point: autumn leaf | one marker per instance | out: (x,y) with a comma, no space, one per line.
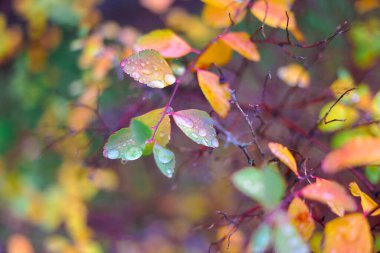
(367,203)
(274,13)
(18,243)
(294,75)
(283,153)
(301,218)
(156,6)
(356,152)
(234,242)
(350,233)
(241,43)
(165,41)
(198,126)
(217,94)
(219,17)
(331,194)
(150,68)
(218,53)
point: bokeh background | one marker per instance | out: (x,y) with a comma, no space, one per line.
(62,94)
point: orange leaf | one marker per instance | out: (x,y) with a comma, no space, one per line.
(356,152)
(216,94)
(294,75)
(165,41)
(367,203)
(241,43)
(19,243)
(275,13)
(283,153)
(218,53)
(301,218)
(331,194)
(350,233)
(219,17)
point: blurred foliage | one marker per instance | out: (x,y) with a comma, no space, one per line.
(63,94)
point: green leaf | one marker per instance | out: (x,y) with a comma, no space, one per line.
(164,159)
(198,126)
(140,131)
(265,186)
(261,238)
(286,237)
(121,145)
(373,173)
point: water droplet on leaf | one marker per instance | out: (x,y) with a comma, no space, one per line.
(112,154)
(169,78)
(133,153)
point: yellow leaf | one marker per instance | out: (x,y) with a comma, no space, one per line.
(165,41)
(363,6)
(341,85)
(356,152)
(219,17)
(150,68)
(216,94)
(340,116)
(150,119)
(275,12)
(301,218)
(218,53)
(294,75)
(348,234)
(19,243)
(241,43)
(234,240)
(331,194)
(283,153)
(367,203)
(219,3)
(316,241)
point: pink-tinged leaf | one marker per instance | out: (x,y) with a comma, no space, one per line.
(150,68)
(347,234)
(165,41)
(198,126)
(283,153)
(217,94)
(241,43)
(356,152)
(331,194)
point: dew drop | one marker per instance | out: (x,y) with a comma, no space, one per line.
(165,156)
(215,143)
(169,173)
(123,161)
(133,153)
(156,84)
(112,154)
(169,78)
(202,132)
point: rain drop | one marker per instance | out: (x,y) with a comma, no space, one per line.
(135,75)
(215,143)
(112,154)
(169,78)
(156,84)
